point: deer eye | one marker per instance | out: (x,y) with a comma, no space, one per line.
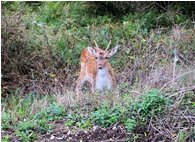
(106,57)
(96,57)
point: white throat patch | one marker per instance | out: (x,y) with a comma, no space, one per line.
(103,79)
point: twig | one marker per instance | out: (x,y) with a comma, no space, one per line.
(183,90)
(193,71)
(160,6)
(174,64)
(151,52)
(121,140)
(136,92)
(176,104)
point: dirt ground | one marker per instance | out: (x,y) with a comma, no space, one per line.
(61,133)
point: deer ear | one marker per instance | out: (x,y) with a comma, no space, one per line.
(91,50)
(113,51)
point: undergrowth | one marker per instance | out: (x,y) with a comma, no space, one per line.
(28,124)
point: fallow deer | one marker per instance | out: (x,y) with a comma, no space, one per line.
(96,69)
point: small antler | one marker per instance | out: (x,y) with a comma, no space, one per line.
(96,44)
(108,45)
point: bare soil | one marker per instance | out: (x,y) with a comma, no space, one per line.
(96,134)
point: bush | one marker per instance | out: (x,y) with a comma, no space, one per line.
(5,120)
(52,112)
(122,8)
(130,124)
(105,116)
(28,116)
(116,8)
(152,103)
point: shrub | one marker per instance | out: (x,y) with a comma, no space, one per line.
(52,112)
(152,103)
(26,136)
(77,118)
(5,120)
(105,116)
(130,124)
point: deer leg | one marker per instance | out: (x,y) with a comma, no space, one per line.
(92,81)
(78,86)
(80,81)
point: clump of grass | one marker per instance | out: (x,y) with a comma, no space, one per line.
(153,102)
(29,116)
(129,112)
(133,112)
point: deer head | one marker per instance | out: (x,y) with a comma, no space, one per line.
(102,56)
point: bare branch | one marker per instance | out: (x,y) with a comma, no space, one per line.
(193,71)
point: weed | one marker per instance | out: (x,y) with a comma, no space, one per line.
(28,121)
(28,129)
(152,103)
(5,120)
(130,124)
(6,138)
(131,114)
(78,119)
(104,116)
(26,135)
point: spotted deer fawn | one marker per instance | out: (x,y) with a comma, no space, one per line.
(95,68)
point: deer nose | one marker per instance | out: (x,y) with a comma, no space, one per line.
(100,67)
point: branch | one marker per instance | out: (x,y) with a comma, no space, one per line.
(193,71)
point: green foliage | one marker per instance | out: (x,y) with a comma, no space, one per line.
(52,112)
(56,32)
(105,116)
(5,138)
(52,11)
(152,103)
(11,5)
(78,119)
(137,113)
(131,114)
(5,120)
(26,123)
(27,130)
(27,135)
(22,108)
(130,124)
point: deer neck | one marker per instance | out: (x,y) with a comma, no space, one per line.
(102,72)
(103,79)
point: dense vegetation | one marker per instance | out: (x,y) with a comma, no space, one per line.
(155,96)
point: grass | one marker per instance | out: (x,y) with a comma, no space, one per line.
(32,115)
(69,33)
(29,116)
(28,120)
